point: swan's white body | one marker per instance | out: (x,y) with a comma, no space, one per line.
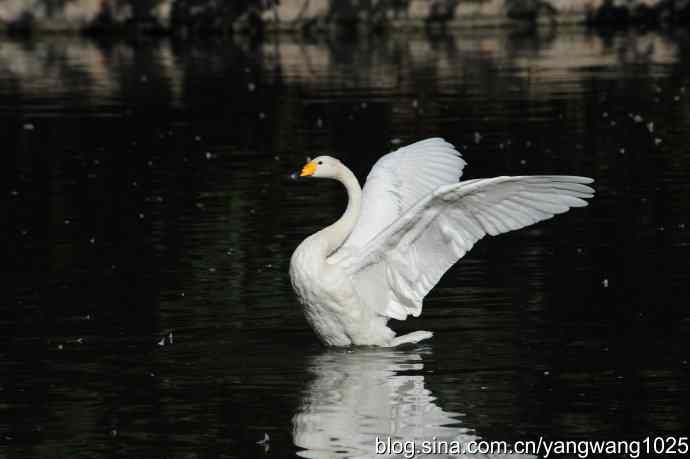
(412,221)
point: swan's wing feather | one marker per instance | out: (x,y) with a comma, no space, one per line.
(399,180)
(397,269)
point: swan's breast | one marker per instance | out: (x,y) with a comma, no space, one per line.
(327,294)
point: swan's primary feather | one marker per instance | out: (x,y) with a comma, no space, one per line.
(399,180)
(397,268)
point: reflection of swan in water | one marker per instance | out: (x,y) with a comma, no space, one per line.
(361,394)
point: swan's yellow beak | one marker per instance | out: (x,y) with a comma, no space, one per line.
(308,169)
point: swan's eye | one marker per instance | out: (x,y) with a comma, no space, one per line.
(320,163)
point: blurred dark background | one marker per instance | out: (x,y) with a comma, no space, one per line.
(148,226)
(184,17)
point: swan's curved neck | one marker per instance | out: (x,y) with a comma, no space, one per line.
(335,235)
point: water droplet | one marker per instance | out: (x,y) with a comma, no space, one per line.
(262,115)
(212,270)
(208,155)
(523,161)
(67,221)
(605,283)
(251,87)
(29,127)
(265,439)
(319,123)
(477,137)
(650,127)
(415,103)
(657,141)
(638,119)
(141,216)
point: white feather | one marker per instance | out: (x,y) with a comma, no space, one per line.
(410,256)
(398,180)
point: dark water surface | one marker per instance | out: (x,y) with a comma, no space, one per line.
(147,310)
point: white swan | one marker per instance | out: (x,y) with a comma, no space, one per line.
(412,221)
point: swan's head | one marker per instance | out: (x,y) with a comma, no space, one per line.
(322,167)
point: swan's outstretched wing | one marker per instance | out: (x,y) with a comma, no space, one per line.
(399,180)
(401,264)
